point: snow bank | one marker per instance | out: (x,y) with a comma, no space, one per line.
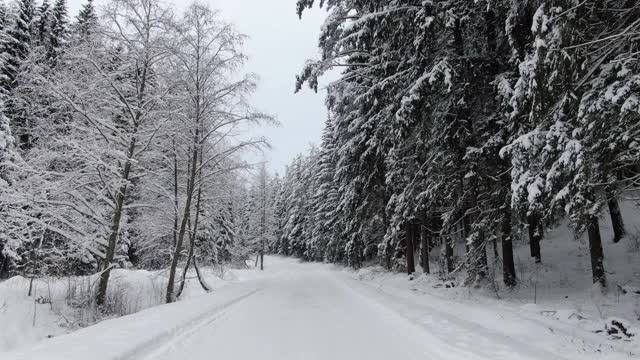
(61,305)
(137,335)
(23,319)
(554,304)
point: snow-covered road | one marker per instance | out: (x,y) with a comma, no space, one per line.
(304,314)
(291,311)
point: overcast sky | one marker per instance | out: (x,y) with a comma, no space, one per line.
(278,46)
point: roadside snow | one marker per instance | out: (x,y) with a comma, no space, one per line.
(22,319)
(554,305)
(308,311)
(129,337)
(58,305)
(472,320)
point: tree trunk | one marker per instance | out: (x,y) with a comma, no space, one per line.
(183,278)
(616,219)
(192,242)
(187,213)
(508,265)
(448,252)
(101,295)
(482,263)
(354,255)
(30,286)
(535,236)
(447,245)
(111,248)
(176,255)
(477,255)
(35,261)
(263,217)
(387,259)
(425,239)
(466,230)
(596,252)
(203,283)
(190,253)
(175,193)
(4,264)
(409,247)
(387,253)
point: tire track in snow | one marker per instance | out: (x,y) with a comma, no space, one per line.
(568,341)
(169,338)
(473,338)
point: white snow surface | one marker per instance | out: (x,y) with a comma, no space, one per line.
(309,311)
(59,305)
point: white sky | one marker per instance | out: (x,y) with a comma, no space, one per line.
(278,45)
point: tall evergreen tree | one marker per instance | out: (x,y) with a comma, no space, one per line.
(5,22)
(44,24)
(20,39)
(7,151)
(18,42)
(325,236)
(59,30)
(86,19)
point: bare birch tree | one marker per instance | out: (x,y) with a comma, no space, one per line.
(207,62)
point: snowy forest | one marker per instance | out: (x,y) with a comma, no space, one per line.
(122,134)
(481,122)
(482,154)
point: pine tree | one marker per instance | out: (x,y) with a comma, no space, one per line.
(326,233)
(44,24)
(4,18)
(9,243)
(361,115)
(6,146)
(5,22)
(86,19)
(58,35)
(20,39)
(607,107)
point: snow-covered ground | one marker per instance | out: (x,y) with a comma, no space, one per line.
(506,327)
(306,311)
(554,306)
(59,305)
